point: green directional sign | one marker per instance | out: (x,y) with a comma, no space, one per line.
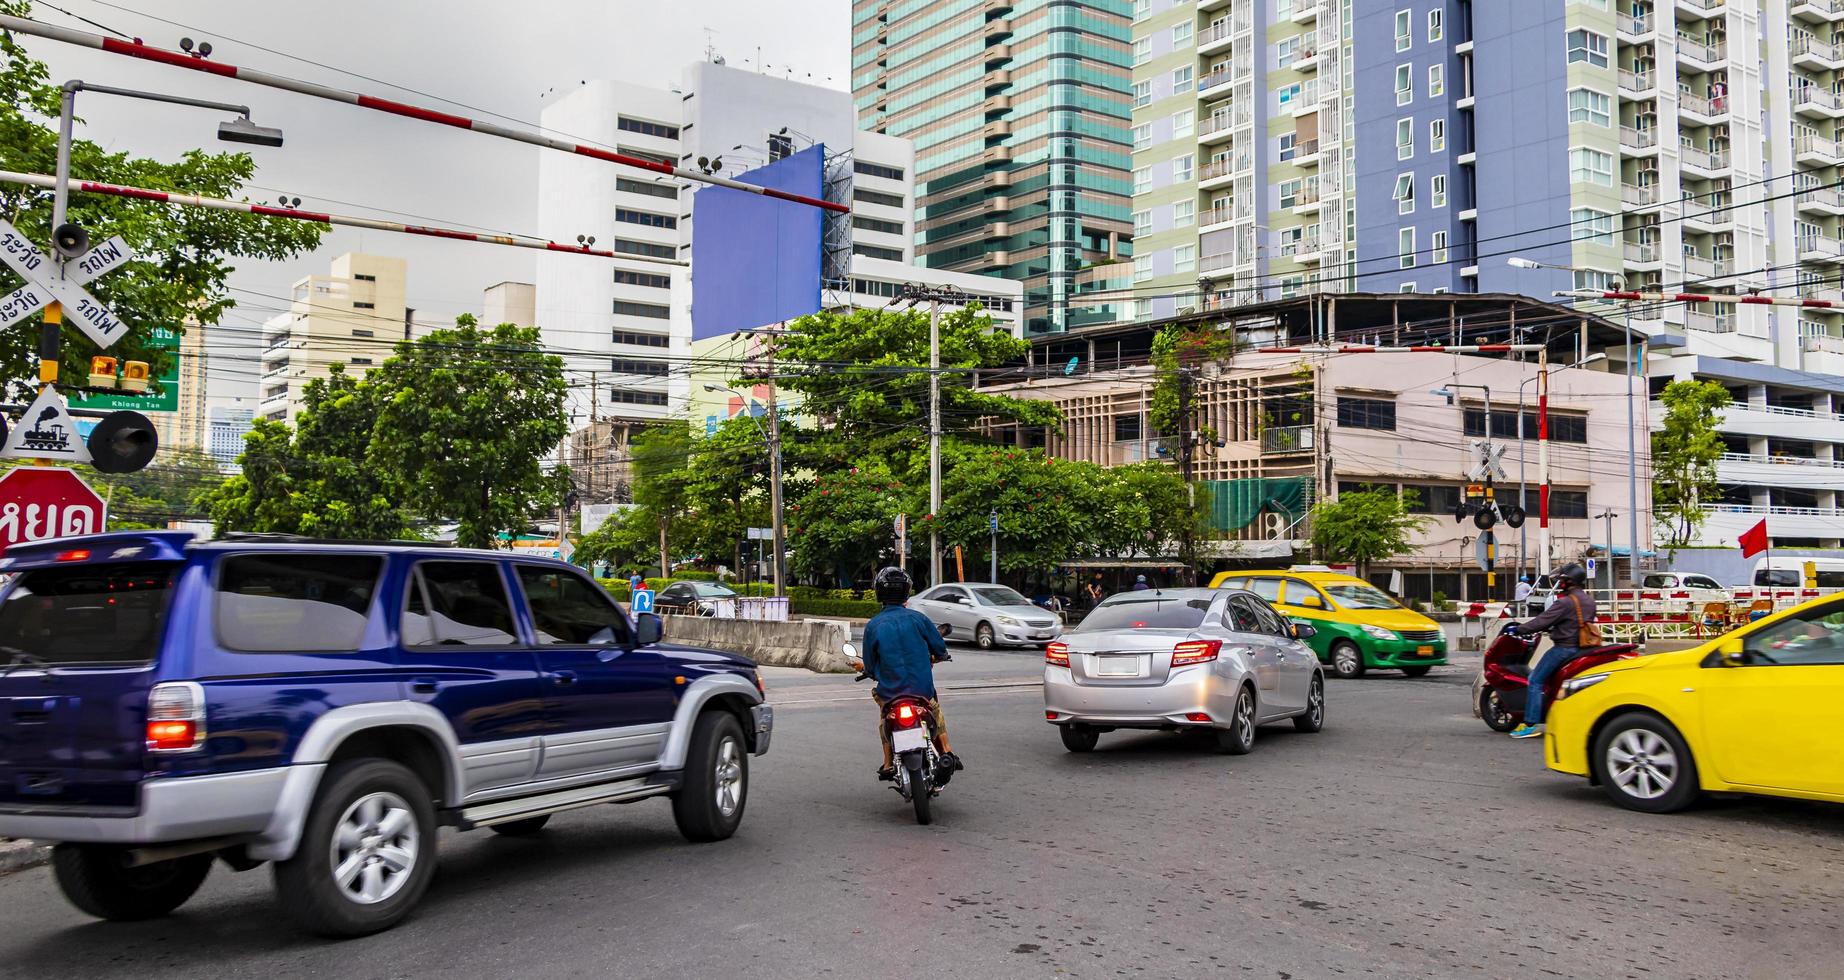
(167,400)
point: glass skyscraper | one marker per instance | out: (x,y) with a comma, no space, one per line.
(1021,113)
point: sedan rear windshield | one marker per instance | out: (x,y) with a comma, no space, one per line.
(1147,614)
(86,614)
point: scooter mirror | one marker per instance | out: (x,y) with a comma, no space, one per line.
(850,651)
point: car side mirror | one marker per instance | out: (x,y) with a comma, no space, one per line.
(1731,653)
(1310,602)
(647,629)
(1304,631)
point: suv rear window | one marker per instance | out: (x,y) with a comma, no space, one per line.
(1147,614)
(86,614)
(294,602)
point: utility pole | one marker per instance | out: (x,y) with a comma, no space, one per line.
(1187,542)
(1608,516)
(934,296)
(992,524)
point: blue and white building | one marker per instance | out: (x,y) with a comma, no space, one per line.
(1285,147)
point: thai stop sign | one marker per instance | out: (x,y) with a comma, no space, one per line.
(40,502)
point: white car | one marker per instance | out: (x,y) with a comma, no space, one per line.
(989,615)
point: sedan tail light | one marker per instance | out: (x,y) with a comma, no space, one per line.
(1195,652)
(175,717)
(1057,654)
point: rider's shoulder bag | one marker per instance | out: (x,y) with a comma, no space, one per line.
(1588,633)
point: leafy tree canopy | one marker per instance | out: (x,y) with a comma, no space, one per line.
(1365,526)
(1685,451)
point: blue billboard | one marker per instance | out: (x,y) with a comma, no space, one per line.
(755,259)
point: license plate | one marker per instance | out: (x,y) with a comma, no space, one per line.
(1424,651)
(907,740)
(1118,667)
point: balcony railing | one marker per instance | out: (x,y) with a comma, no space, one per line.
(1287,439)
(1220,75)
(1221,214)
(1700,51)
(1704,107)
(1819,246)
(1705,159)
(1822,344)
(1782,460)
(1820,6)
(1221,260)
(1638,24)
(1305,150)
(1633,81)
(1807,44)
(1822,98)
(1215,33)
(1772,509)
(1638,139)
(1709,322)
(1640,252)
(1636,195)
(1698,267)
(1720,213)
(1821,195)
(1819,146)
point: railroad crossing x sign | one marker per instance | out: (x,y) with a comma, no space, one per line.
(49,280)
(1488,461)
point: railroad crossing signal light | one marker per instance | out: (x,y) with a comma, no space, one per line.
(1484,518)
(102,372)
(135,376)
(123,442)
(1513,515)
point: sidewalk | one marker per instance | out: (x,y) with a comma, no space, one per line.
(17,855)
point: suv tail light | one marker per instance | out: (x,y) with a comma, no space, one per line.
(175,717)
(1195,652)
(1057,654)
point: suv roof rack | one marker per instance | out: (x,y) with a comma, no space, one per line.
(280,537)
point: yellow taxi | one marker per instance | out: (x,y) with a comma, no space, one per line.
(1358,626)
(1759,710)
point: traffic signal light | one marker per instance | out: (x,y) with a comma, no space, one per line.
(123,442)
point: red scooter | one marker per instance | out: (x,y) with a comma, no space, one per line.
(1506,676)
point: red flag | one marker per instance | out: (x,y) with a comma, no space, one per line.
(1754,540)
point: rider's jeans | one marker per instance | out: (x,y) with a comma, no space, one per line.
(1551,661)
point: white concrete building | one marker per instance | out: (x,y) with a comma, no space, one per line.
(352,316)
(225,428)
(629,324)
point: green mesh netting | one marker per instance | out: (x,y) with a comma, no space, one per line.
(1234,504)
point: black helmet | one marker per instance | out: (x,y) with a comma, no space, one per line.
(1573,573)
(892,586)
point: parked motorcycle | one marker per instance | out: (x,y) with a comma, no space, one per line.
(1505,684)
(910,723)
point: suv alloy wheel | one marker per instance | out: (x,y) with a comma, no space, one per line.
(366,853)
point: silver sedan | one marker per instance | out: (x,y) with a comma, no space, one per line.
(989,615)
(1173,659)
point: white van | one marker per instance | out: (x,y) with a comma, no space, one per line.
(1789,572)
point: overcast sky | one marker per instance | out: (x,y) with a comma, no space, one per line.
(494,57)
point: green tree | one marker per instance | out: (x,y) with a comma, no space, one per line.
(1684,455)
(1145,508)
(1364,526)
(182,255)
(315,478)
(865,384)
(466,418)
(660,457)
(727,489)
(841,525)
(625,541)
(1046,507)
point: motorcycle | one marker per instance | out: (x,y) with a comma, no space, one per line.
(910,722)
(1505,684)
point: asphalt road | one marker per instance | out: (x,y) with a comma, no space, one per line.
(1406,840)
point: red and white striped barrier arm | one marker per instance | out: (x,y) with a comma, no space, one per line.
(220,204)
(1727,298)
(180,59)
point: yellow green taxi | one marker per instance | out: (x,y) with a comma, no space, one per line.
(1359,626)
(1759,710)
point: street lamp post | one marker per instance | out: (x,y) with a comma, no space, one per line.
(240,130)
(1632,438)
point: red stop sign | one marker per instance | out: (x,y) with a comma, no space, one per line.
(39,502)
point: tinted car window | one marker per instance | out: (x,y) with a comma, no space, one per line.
(712,591)
(458,603)
(1815,636)
(1272,622)
(1241,616)
(1700,582)
(86,614)
(568,611)
(310,603)
(1167,613)
(998,595)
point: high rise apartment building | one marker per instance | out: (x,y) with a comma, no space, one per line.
(629,326)
(1292,146)
(352,316)
(1019,110)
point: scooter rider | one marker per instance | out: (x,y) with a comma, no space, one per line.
(1563,618)
(901,647)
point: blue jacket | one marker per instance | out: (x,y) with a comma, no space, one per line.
(900,647)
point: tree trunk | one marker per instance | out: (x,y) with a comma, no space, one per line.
(665,569)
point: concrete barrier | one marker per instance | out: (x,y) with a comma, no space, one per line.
(816,645)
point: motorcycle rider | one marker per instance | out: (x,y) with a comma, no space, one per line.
(901,647)
(1571,607)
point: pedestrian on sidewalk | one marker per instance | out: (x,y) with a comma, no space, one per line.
(1520,597)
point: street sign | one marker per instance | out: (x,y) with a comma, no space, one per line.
(1488,461)
(992,522)
(1591,568)
(1486,555)
(761,534)
(643,601)
(40,502)
(46,281)
(27,299)
(46,431)
(160,338)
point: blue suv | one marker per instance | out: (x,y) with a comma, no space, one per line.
(328,706)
